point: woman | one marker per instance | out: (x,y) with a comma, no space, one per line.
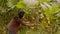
(15,22)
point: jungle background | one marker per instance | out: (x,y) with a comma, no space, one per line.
(43,12)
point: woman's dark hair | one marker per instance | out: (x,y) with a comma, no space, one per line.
(21,13)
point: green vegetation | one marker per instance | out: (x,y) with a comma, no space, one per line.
(44,12)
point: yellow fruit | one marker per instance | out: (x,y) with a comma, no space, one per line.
(45,22)
(48,21)
(41,17)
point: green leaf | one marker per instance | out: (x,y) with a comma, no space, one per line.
(51,11)
(45,0)
(53,21)
(21,4)
(54,8)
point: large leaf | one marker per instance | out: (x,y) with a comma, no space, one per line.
(54,8)
(21,4)
(51,11)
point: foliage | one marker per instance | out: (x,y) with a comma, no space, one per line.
(43,12)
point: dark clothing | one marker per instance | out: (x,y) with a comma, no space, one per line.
(15,22)
(13,26)
(10,32)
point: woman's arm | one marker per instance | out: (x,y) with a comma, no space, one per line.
(21,21)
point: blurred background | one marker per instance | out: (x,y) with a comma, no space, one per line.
(43,12)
